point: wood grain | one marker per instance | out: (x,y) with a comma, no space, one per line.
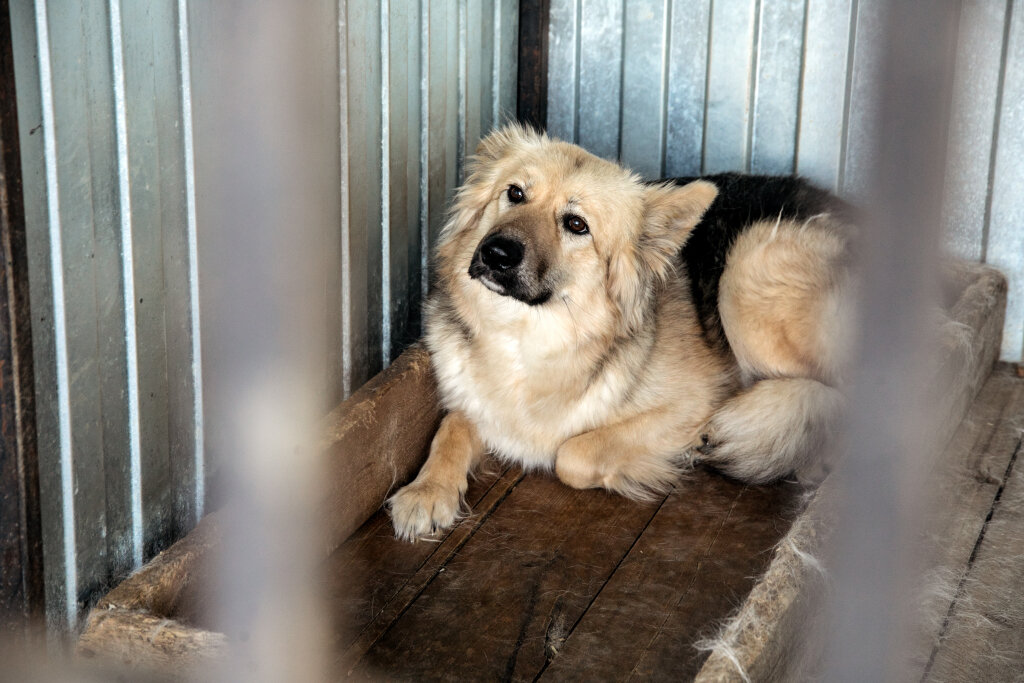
(369,575)
(376,440)
(974,631)
(694,564)
(501,607)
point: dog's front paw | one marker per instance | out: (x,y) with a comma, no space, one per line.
(575,464)
(422,508)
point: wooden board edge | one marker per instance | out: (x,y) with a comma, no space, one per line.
(763,640)
(148,643)
(347,436)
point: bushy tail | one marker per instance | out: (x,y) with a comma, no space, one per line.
(775,428)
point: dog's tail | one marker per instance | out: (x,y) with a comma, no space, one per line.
(775,428)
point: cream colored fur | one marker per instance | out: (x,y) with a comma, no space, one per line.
(610,382)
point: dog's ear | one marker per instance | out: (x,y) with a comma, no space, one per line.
(670,213)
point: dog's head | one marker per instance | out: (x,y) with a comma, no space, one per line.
(539,221)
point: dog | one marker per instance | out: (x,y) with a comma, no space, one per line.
(617,330)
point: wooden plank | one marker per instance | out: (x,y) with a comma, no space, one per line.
(972,468)
(694,563)
(399,576)
(370,569)
(151,645)
(499,608)
(377,437)
(769,639)
(376,440)
(973,629)
(21,552)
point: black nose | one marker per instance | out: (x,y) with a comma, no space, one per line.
(501,253)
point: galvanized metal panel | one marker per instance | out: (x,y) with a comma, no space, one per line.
(473,89)
(600,81)
(105,102)
(481,32)
(643,86)
(41,197)
(194,389)
(324,118)
(442,113)
(779,58)
(506,60)
(563,68)
(153,167)
(1005,248)
(823,95)
(972,125)
(730,81)
(363,59)
(93,295)
(404,146)
(859,135)
(690,33)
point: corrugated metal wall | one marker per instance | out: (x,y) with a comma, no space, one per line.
(114,200)
(681,87)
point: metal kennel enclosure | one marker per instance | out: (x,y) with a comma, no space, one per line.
(117,111)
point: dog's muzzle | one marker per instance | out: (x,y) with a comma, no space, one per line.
(500,265)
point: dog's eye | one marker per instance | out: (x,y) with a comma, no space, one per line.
(516,194)
(575,224)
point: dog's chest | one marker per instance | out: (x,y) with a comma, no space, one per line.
(525,399)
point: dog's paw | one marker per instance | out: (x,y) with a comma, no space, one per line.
(706,443)
(575,465)
(423,508)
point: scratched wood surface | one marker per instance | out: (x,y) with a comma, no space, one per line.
(540,580)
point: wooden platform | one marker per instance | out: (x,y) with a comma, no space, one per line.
(973,621)
(541,579)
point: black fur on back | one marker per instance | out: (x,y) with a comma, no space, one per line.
(743,200)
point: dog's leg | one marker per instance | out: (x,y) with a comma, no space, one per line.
(774,428)
(431,502)
(639,458)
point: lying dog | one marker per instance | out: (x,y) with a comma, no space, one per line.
(611,328)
